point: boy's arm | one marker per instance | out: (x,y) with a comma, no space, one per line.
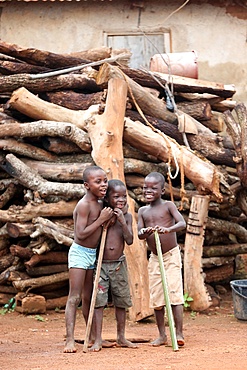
(126,222)
(143,232)
(82,230)
(180,223)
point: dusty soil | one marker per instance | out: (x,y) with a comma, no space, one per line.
(213,341)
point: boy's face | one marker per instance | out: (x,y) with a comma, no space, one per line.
(117,197)
(152,189)
(97,183)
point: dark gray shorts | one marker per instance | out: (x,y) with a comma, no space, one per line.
(114,276)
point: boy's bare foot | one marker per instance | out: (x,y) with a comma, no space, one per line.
(108,344)
(96,347)
(180,340)
(69,347)
(126,343)
(159,342)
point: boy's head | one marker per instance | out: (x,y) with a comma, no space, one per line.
(116,195)
(95,180)
(153,187)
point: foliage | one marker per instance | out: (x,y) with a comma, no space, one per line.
(187,300)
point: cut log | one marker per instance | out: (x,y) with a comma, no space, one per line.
(219,274)
(52,304)
(48,128)
(210,147)
(8,194)
(193,278)
(238,131)
(74,100)
(74,171)
(27,150)
(201,111)
(18,230)
(224,250)
(27,285)
(46,270)
(181,84)
(106,132)
(39,57)
(6,261)
(27,213)
(202,173)
(32,180)
(70,81)
(47,258)
(23,253)
(10,68)
(59,146)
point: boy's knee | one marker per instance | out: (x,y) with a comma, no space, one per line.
(74,300)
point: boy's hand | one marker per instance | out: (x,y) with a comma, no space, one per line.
(105,214)
(120,216)
(161,229)
(146,230)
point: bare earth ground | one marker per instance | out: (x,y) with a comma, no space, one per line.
(214,341)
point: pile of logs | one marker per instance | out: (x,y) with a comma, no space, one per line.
(61,113)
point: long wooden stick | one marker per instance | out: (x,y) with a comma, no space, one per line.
(166,294)
(95,288)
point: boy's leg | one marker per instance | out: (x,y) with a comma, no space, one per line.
(178,320)
(76,281)
(160,321)
(87,293)
(98,322)
(121,321)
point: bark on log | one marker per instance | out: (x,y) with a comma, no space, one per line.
(203,174)
(70,81)
(47,258)
(18,230)
(48,128)
(224,250)
(23,253)
(52,304)
(106,133)
(74,100)
(27,213)
(39,57)
(59,146)
(46,270)
(238,131)
(210,147)
(27,285)
(10,68)
(193,278)
(74,171)
(6,261)
(27,150)
(228,227)
(32,180)
(219,274)
(181,84)
(201,111)
(8,194)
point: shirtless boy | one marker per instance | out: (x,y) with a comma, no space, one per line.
(89,216)
(164,217)
(114,270)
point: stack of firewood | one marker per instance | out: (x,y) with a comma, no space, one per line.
(190,130)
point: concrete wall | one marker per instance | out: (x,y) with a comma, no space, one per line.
(217,33)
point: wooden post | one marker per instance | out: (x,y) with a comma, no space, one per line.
(193,273)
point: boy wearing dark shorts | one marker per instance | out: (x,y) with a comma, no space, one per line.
(113,273)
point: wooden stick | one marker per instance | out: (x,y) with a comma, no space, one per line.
(95,288)
(165,288)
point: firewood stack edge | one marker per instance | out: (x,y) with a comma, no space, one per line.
(47,107)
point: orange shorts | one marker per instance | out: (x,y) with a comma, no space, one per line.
(173,265)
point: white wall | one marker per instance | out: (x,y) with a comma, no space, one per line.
(218,34)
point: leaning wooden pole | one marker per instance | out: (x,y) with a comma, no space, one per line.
(193,273)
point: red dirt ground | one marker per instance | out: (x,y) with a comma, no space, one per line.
(213,341)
